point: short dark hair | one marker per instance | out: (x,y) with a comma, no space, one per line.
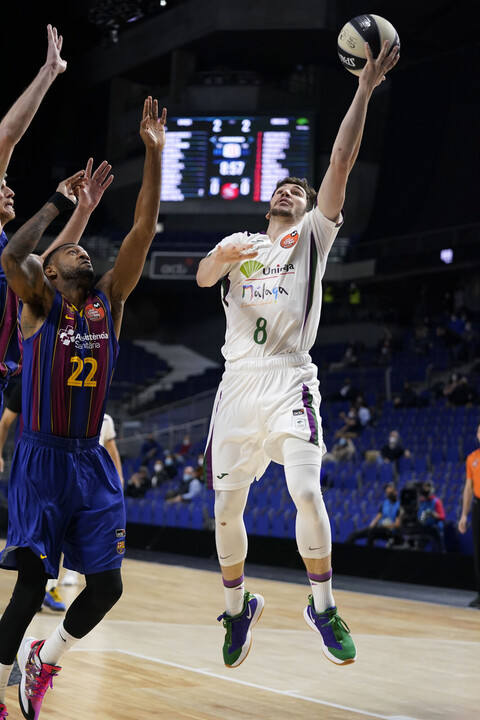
(48,259)
(310,192)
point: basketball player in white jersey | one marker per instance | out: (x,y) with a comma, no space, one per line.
(268,403)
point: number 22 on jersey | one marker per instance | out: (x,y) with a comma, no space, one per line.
(79,366)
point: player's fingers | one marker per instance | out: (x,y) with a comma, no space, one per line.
(155,110)
(145,109)
(100,169)
(163,119)
(88,167)
(103,174)
(75,176)
(108,182)
(60,43)
(384,51)
(368,52)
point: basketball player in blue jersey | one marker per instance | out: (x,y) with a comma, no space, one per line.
(268,403)
(65,493)
(12,128)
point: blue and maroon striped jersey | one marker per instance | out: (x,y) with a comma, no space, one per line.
(68,366)
(10,341)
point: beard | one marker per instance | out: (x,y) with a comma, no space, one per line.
(281,212)
(83,275)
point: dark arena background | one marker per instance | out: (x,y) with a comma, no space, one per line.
(255,91)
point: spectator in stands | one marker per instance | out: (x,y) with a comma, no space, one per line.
(422,340)
(191,487)
(170,462)
(394,450)
(363,412)
(184,448)
(385,352)
(352,427)
(431,515)
(138,483)
(385,524)
(200,460)
(354,298)
(343,451)
(471,499)
(469,349)
(160,476)
(149,449)
(407,398)
(349,359)
(348,391)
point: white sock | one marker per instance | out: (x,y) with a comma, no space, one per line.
(234,591)
(322,591)
(50,584)
(5,671)
(58,643)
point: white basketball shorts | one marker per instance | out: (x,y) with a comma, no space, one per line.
(259,403)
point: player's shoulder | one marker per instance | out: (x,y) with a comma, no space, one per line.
(474,456)
(244,236)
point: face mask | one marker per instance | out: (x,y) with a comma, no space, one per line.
(392,496)
(157,467)
(200,461)
(187,477)
(392,441)
(168,461)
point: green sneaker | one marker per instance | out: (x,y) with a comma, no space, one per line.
(238,635)
(337,643)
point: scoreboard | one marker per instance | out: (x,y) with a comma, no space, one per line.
(231,163)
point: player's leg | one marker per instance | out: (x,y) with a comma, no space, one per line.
(302,462)
(100,594)
(26,598)
(242,609)
(38,659)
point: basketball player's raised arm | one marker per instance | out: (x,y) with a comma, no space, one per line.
(87,193)
(126,272)
(331,195)
(212,267)
(23,270)
(20,115)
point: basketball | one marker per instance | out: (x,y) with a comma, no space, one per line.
(356,32)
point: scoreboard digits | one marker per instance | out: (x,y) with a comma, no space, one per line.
(231,160)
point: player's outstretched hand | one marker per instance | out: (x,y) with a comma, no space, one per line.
(375,69)
(231,253)
(54,59)
(91,189)
(70,186)
(152,127)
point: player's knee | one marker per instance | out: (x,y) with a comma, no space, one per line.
(307,498)
(104,590)
(229,506)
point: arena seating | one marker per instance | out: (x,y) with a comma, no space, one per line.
(439,438)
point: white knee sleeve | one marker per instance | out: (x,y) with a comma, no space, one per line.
(230,533)
(302,463)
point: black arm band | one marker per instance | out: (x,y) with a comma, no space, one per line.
(62,203)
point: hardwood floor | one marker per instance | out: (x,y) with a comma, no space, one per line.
(158,655)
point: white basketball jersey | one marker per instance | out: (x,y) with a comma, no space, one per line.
(272,302)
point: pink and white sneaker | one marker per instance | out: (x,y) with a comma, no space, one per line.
(37,677)
(3,711)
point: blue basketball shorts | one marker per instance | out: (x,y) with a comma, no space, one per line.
(65,496)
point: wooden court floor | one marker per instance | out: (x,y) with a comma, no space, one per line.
(158,655)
